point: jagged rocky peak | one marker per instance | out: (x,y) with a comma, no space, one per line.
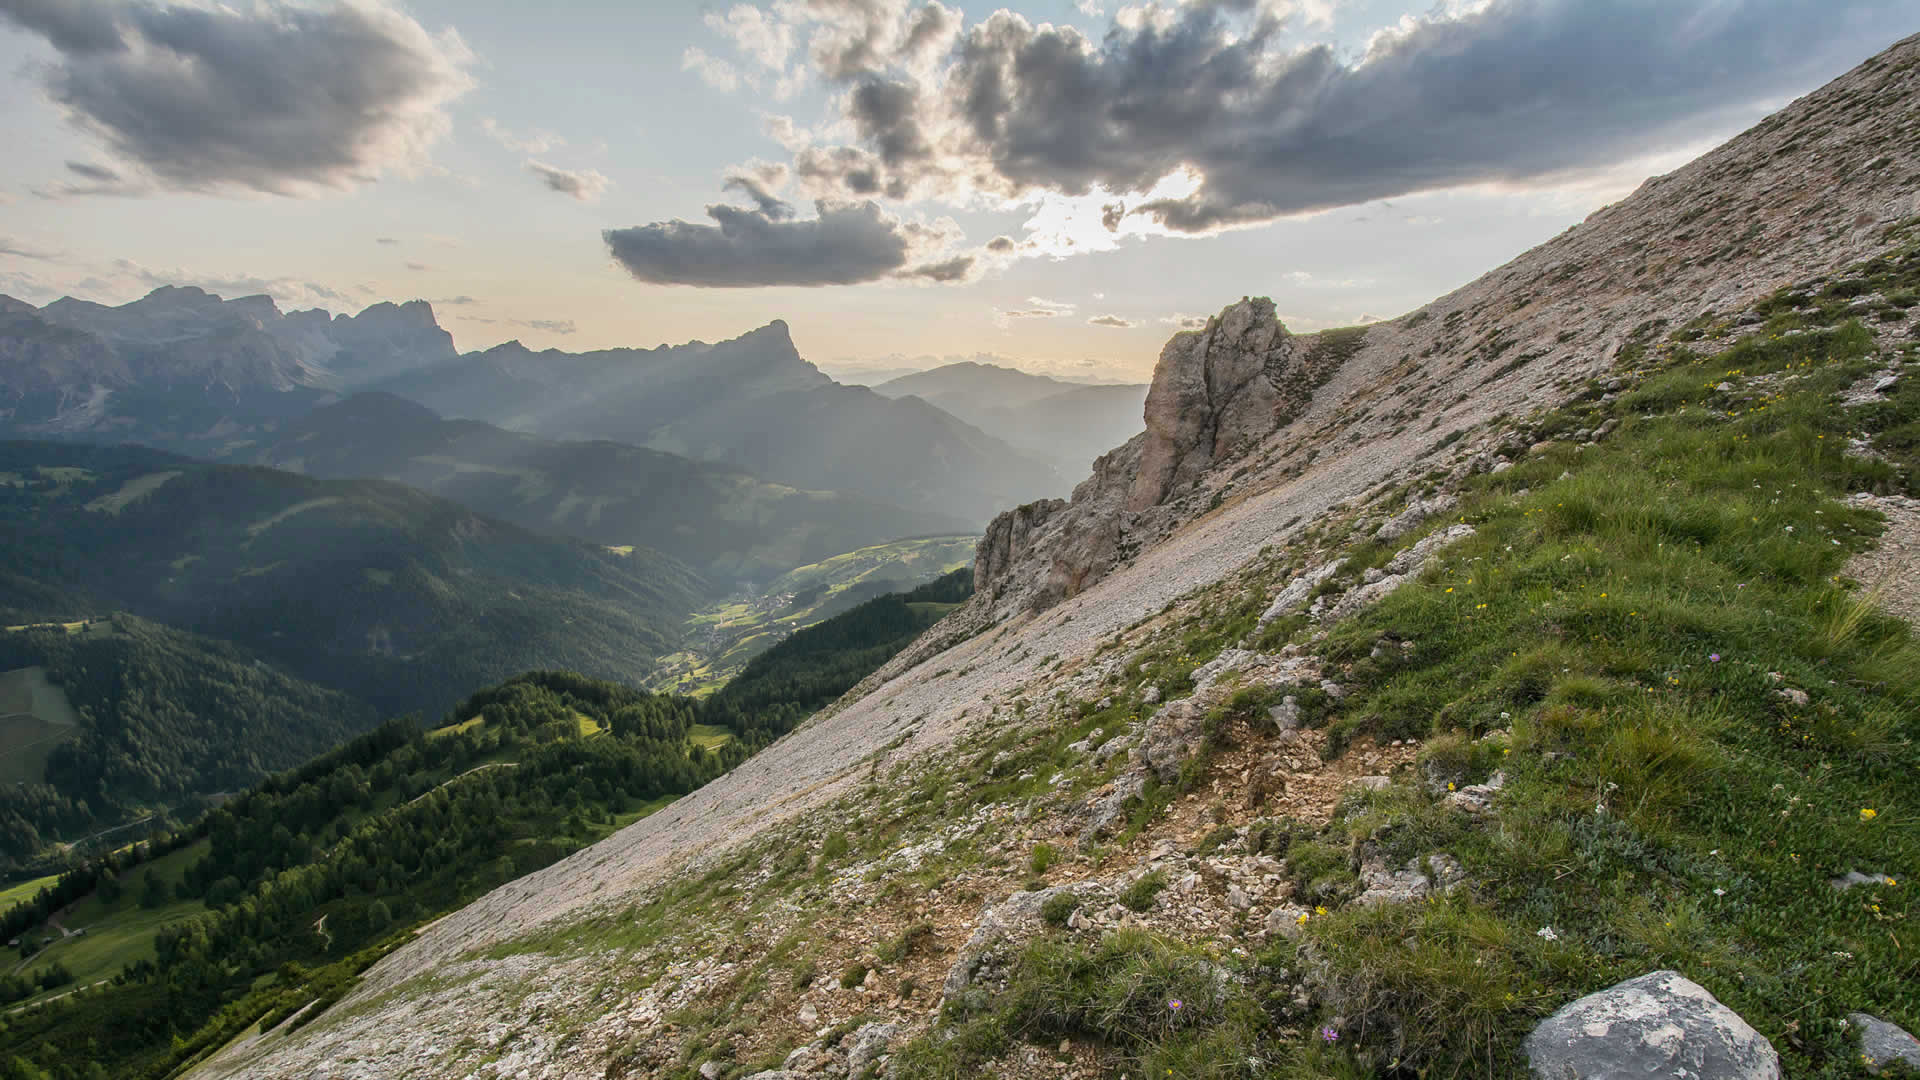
(1217,394)
(1214,391)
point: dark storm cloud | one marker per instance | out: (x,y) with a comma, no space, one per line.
(844,245)
(273,97)
(1516,91)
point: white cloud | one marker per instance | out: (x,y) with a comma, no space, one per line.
(714,71)
(537,142)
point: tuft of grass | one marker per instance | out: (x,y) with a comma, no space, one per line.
(1140,895)
(1042,857)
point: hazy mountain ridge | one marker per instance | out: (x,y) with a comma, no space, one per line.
(1066,423)
(183,370)
(954,757)
(752,402)
(726,522)
(402,599)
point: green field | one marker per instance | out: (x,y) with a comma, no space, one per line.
(734,631)
(709,736)
(35,717)
(21,893)
(116,934)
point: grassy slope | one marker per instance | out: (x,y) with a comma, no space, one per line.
(35,717)
(1615,638)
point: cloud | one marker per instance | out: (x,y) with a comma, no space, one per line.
(1218,96)
(387,241)
(12,247)
(538,142)
(712,70)
(958,268)
(758,182)
(418,266)
(844,244)
(272,96)
(99,173)
(585,185)
(456,301)
(763,37)
(1183,321)
(1114,321)
(551,326)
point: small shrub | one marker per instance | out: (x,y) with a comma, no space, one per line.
(1058,908)
(1042,857)
(853,975)
(905,944)
(1140,895)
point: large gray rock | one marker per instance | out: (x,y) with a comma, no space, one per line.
(1417,511)
(1661,1024)
(866,1045)
(1882,1043)
(1006,925)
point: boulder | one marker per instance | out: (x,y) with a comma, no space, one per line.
(1409,519)
(1661,1024)
(866,1045)
(1111,809)
(1009,923)
(1296,591)
(1882,1044)
(1172,736)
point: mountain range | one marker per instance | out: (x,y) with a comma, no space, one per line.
(1064,423)
(181,369)
(725,522)
(752,402)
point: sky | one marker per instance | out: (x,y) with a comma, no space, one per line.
(1058,186)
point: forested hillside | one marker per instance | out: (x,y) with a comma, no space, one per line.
(268,906)
(398,598)
(161,717)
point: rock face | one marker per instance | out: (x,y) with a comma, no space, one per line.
(1658,1025)
(1217,393)
(1007,537)
(1214,391)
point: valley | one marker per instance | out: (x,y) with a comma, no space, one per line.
(721,638)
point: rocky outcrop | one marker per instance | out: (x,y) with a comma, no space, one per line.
(1005,926)
(1217,393)
(1008,536)
(1214,391)
(1660,1024)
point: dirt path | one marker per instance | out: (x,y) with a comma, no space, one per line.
(1891,571)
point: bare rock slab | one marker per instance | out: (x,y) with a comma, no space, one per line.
(1661,1024)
